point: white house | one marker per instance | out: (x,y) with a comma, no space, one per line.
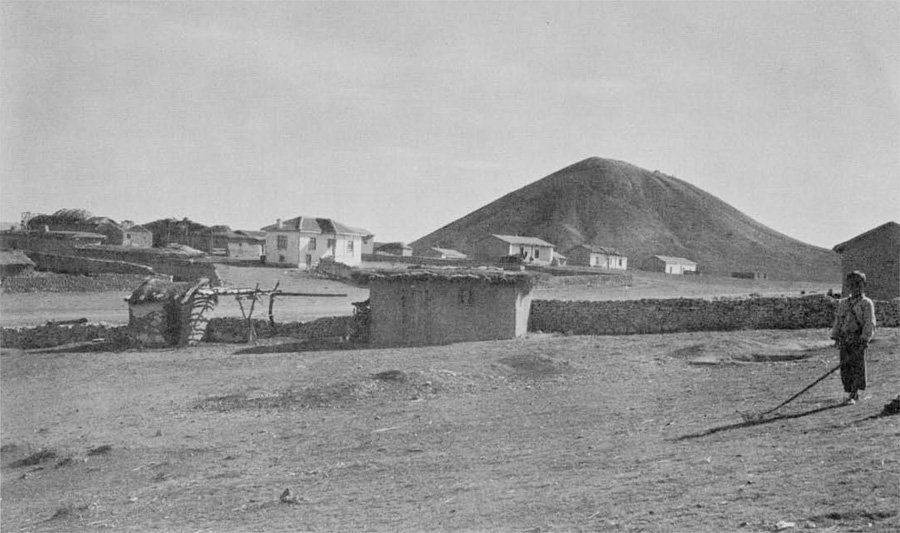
(597,256)
(303,241)
(530,249)
(669,264)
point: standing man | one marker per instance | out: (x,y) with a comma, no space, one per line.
(854,325)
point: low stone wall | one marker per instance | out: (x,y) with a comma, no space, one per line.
(226,330)
(53,282)
(673,315)
(51,335)
(235,329)
(74,264)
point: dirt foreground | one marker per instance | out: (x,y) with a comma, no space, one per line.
(543,433)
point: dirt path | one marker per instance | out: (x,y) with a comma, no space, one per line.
(544,433)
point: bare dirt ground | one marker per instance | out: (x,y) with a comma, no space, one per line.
(539,434)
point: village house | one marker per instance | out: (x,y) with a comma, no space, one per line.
(559,259)
(597,256)
(246,244)
(393,248)
(669,264)
(304,241)
(442,253)
(126,233)
(877,254)
(531,249)
(15,263)
(427,307)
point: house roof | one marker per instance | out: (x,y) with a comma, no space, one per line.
(494,277)
(448,252)
(392,246)
(517,239)
(886,228)
(598,250)
(256,235)
(14,257)
(316,225)
(668,259)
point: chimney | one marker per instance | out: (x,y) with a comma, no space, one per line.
(278,223)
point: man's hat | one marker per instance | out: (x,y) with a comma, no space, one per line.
(856,274)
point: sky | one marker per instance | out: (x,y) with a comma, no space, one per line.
(401,117)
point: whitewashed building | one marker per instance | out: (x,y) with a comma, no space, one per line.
(304,241)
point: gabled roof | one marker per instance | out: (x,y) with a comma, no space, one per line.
(887,228)
(256,235)
(517,239)
(448,252)
(392,246)
(668,259)
(14,257)
(316,225)
(598,250)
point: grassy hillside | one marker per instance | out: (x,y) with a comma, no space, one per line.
(641,213)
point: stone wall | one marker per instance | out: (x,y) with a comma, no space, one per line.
(53,282)
(233,330)
(673,315)
(74,264)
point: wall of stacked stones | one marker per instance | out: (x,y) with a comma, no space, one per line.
(675,315)
(226,330)
(181,269)
(52,282)
(72,264)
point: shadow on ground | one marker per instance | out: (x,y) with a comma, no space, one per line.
(760,422)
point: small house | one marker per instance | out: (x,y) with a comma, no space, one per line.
(531,249)
(394,248)
(427,307)
(304,241)
(246,244)
(15,263)
(559,259)
(669,264)
(597,256)
(435,252)
(877,254)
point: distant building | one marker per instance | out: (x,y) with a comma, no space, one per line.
(421,307)
(304,241)
(597,256)
(394,248)
(14,263)
(531,249)
(559,259)
(877,254)
(443,253)
(126,233)
(669,264)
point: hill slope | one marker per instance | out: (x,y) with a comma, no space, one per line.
(641,213)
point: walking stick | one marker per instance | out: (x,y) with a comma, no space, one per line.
(759,416)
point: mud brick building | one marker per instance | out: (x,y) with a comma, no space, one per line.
(877,254)
(426,307)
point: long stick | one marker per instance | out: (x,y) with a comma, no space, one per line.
(792,398)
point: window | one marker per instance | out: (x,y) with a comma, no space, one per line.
(620,261)
(312,243)
(282,242)
(350,247)
(331,243)
(537,253)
